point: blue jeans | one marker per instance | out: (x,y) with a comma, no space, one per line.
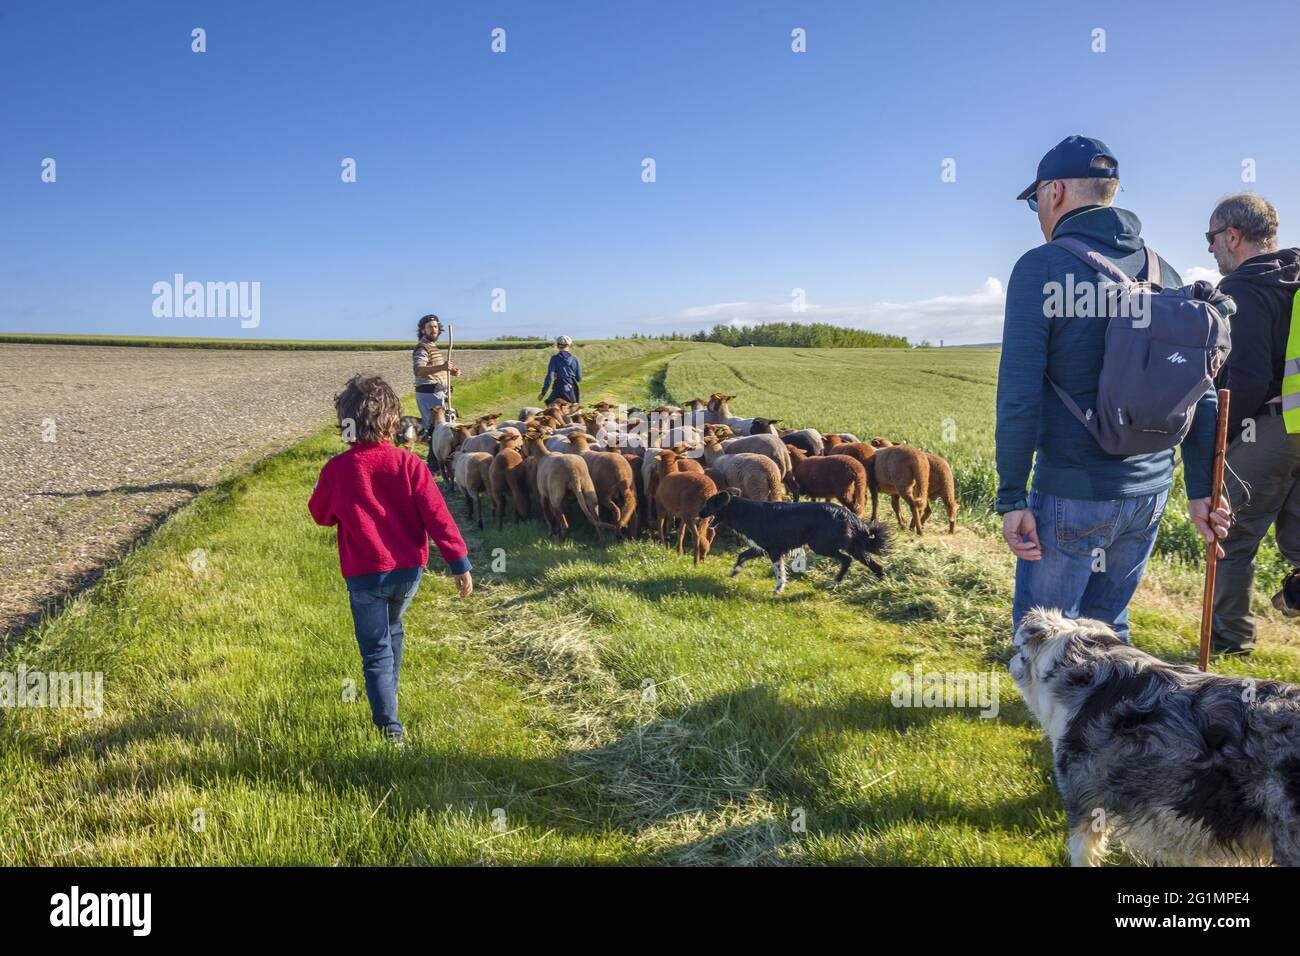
(1094,553)
(377,620)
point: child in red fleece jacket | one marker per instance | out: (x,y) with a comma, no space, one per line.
(385,505)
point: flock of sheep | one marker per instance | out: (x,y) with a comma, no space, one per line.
(632,470)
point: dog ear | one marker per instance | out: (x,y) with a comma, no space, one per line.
(1037,626)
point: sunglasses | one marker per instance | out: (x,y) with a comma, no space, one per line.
(1209,236)
(1033,200)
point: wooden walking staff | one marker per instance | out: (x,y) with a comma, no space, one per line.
(450,339)
(1212,549)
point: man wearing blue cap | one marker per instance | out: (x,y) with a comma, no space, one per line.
(1085,530)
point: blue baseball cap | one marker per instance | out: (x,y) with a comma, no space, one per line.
(1072,158)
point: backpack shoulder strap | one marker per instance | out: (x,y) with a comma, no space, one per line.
(1096,260)
(1154,274)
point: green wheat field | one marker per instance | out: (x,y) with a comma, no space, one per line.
(583,706)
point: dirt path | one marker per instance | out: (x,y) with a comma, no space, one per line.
(101,443)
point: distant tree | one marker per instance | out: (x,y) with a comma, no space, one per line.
(811,335)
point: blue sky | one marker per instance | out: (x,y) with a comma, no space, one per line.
(523,170)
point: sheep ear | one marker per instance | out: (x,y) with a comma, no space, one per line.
(731,493)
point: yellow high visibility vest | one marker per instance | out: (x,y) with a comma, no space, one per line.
(1291,373)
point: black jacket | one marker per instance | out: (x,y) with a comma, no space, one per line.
(1264,288)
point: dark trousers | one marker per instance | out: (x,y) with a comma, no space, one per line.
(567,392)
(1262,482)
(377,620)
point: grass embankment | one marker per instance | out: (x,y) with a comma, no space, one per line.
(583,706)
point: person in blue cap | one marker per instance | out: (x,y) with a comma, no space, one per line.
(563,373)
(1082,535)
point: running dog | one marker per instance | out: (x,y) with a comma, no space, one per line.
(775,528)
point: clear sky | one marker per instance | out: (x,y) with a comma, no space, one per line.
(522,170)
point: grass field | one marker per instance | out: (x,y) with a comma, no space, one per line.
(583,706)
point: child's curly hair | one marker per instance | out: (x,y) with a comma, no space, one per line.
(371,406)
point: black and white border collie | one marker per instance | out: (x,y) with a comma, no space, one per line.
(1180,767)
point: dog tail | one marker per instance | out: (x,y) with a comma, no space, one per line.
(870,540)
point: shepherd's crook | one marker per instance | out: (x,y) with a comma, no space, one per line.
(1212,549)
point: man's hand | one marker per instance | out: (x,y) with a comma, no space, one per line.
(1021,533)
(453,370)
(1220,518)
(465,584)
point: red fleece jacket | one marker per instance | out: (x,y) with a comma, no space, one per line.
(386,506)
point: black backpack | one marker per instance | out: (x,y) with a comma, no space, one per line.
(1163,349)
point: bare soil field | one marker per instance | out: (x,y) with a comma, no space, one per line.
(102,443)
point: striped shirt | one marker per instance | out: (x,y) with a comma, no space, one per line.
(427,353)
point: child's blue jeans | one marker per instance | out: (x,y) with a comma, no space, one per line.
(377,620)
(1094,553)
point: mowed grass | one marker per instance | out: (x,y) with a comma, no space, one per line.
(583,706)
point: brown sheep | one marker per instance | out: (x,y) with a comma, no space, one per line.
(612,476)
(558,477)
(470,469)
(507,475)
(942,487)
(830,476)
(860,451)
(681,495)
(634,460)
(684,461)
(900,470)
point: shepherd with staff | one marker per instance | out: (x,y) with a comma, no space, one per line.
(432,372)
(1263,433)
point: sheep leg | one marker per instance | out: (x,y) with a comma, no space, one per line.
(898,515)
(914,505)
(874,502)
(744,556)
(681,538)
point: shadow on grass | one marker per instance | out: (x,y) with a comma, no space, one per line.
(742,759)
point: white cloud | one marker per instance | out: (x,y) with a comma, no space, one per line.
(956,319)
(1194,273)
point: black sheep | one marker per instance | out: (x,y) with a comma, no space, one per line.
(776,528)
